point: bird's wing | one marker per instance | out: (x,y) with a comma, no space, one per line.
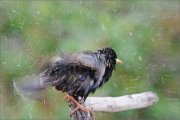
(76,72)
(73,68)
(87,59)
(95,62)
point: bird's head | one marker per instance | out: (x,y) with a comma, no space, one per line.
(110,57)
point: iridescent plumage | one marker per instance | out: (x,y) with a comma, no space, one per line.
(78,74)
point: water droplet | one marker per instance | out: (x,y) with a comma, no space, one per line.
(38,12)
(140,58)
(115,85)
(14,11)
(4,62)
(130,33)
(103,28)
(30,116)
(153,40)
(152,16)
(162,80)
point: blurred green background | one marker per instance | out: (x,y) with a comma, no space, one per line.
(145,35)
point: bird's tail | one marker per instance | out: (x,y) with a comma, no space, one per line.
(31,87)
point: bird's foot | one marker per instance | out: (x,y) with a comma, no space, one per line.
(78,106)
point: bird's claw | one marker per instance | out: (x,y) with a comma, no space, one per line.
(78,106)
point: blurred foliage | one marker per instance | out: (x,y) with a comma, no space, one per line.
(145,34)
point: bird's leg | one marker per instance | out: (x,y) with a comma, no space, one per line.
(78,106)
(67,97)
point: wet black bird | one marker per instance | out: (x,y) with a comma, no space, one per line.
(78,74)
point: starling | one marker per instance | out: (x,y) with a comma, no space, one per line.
(77,74)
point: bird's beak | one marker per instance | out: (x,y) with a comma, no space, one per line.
(118,61)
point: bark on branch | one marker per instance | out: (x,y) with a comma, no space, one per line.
(115,104)
(122,103)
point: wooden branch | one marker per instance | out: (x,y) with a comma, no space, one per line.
(115,104)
